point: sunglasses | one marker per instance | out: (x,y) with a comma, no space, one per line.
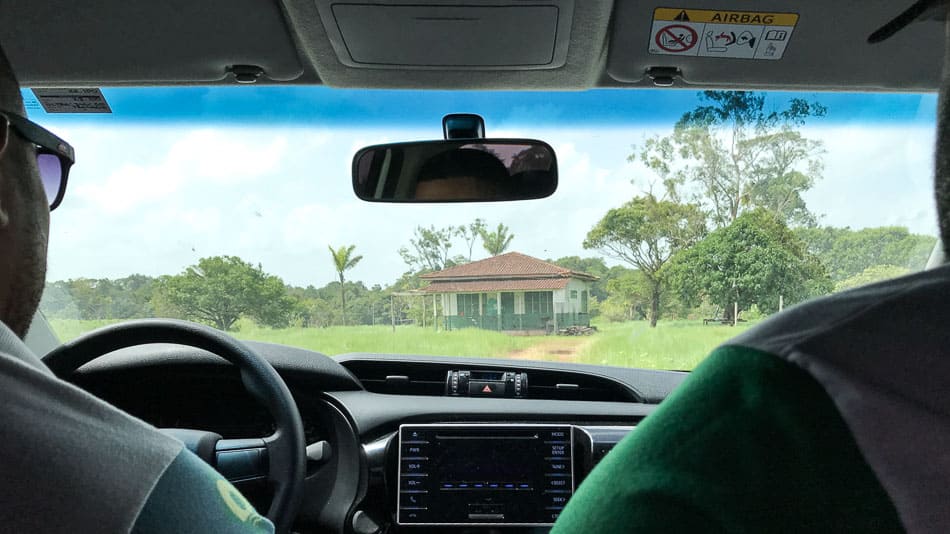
(54,156)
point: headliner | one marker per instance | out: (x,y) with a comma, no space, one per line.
(181,42)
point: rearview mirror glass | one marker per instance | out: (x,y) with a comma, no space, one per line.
(469,170)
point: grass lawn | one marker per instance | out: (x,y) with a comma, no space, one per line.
(343,339)
(70,329)
(406,340)
(677,345)
(671,345)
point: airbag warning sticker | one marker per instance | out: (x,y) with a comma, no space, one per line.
(709,33)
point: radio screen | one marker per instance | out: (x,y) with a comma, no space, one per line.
(484,474)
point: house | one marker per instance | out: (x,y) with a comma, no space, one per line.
(511,292)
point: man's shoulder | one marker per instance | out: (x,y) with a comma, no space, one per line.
(65,453)
(13,347)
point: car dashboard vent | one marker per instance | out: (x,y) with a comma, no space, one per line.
(428,378)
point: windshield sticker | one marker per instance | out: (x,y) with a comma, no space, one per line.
(710,33)
(76,100)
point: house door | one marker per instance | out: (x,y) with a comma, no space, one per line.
(508,320)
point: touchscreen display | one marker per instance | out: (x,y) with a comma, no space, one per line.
(484,474)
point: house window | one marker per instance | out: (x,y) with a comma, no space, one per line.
(490,303)
(539,302)
(573,294)
(467,304)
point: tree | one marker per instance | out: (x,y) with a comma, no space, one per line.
(89,298)
(496,242)
(875,273)
(847,253)
(429,248)
(470,233)
(343,260)
(730,154)
(221,289)
(629,297)
(755,260)
(645,233)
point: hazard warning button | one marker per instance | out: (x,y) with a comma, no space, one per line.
(486,389)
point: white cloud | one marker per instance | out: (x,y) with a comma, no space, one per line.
(199,156)
(155,199)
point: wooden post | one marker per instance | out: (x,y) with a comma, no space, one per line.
(781,303)
(392,310)
(735,314)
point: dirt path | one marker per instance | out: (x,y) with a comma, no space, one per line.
(556,348)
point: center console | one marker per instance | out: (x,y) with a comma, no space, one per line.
(484,474)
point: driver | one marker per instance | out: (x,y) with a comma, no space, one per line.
(464,174)
(68,461)
(833,416)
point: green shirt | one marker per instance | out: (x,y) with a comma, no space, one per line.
(748,443)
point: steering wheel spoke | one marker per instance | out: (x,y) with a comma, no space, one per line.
(242,460)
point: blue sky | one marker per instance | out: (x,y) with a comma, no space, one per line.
(367,108)
(176,174)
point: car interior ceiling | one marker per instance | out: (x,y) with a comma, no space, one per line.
(348,43)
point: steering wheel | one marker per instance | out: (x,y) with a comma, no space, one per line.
(280,457)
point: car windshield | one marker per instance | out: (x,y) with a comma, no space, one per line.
(680,219)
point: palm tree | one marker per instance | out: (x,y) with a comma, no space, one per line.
(343,260)
(496,242)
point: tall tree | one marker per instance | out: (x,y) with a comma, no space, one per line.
(470,233)
(645,233)
(848,253)
(220,289)
(343,260)
(873,274)
(731,154)
(429,248)
(497,241)
(755,260)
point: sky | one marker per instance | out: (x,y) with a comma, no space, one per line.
(176,174)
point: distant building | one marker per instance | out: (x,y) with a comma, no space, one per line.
(511,292)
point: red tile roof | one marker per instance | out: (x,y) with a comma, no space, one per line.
(479,286)
(507,266)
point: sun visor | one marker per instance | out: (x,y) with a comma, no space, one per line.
(814,44)
(75,43)
(445,35)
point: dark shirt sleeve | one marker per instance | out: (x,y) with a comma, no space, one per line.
(748,443)
(192,497)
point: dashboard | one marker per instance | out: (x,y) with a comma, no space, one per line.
(410,444)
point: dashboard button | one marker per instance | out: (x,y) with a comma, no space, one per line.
(412,467)
(414,450)
(412,499)
(486,389)
(412,483)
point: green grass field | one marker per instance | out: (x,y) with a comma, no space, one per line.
(677,345)
(672,345)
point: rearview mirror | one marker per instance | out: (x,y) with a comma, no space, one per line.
(470,170)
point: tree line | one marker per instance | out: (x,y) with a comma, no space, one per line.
(725,222)
(724,228)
